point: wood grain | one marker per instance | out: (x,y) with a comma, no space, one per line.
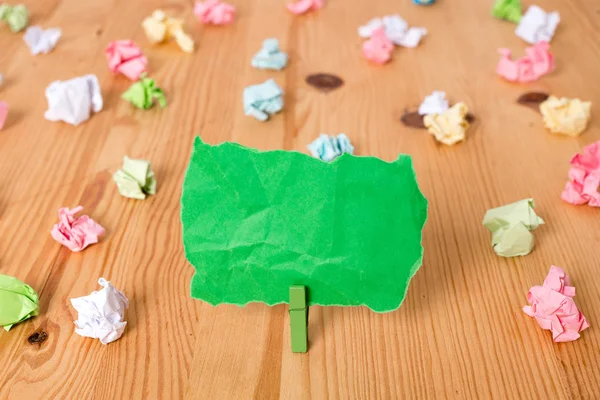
(459,334)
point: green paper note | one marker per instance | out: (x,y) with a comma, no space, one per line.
(509,10)
(143,93)
(510,226)
(256,223)
(18,301)
(16,17)
(136,179)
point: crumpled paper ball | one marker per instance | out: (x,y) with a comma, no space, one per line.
(566,116)
(450,127)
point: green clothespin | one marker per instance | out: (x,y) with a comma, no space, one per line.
(298,319)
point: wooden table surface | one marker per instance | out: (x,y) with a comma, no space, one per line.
(460,333)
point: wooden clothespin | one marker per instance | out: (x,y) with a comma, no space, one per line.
(298,319)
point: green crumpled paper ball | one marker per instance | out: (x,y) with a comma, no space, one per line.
(510,226)
(255,223)
(143,93)
(135,179)
(18,301)
(16,17)
(509,10)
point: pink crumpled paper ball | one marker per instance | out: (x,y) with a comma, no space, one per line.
(76,233)
(378,48)
(214,12)
(125,57)
(302,6)
(584,178)
(553,307)
(538,61)
(3,113)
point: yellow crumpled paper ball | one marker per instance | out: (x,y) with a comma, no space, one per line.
(449,127)
(566,116)
(160,28)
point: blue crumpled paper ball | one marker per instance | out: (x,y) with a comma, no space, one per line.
(423,2)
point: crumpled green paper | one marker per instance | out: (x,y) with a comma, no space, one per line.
(256,223)
(135,179)
(509,10)
(510,226)
(143,92)
(16,17)
(18,301)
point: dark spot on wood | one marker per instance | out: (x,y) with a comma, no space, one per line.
(470,118)
(533,99)
(413,120)
(98,31)
(324,82)
(37,337)
(93,192)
